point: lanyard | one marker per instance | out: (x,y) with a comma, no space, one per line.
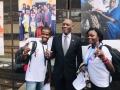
(89,56)
(44,53)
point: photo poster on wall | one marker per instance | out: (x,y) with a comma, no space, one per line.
(34,15)
(101,14)
(1,29)
(104,15)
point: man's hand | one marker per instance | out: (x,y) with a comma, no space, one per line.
(82,69)
(48,53)
(27,49)
(49,80)
(99,53)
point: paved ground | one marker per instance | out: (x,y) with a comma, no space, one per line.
(114,86)
(23,87)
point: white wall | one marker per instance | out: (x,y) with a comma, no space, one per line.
(37,1)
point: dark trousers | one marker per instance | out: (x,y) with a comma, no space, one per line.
(63,84)
(53,27)
(46,25)
(94,87)
(21,32)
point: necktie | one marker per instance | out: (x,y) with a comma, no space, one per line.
(46,18)
(65,46)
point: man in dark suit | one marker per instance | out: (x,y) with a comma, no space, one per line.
(46,17)
(68,57)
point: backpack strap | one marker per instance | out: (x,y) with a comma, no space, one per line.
(89,47)
(34,45)
(101,47)
(45,58)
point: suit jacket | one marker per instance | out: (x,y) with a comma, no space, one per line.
(49,18)
(66,65)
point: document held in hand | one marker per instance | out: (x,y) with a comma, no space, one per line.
(79,83)
(46,87)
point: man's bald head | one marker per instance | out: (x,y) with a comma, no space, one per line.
(69,20)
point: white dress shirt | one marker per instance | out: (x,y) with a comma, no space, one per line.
(68,39)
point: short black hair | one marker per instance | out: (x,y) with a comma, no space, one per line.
(24,4)
(99,33)
(46,28)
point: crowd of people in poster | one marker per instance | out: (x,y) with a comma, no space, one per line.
(33,19)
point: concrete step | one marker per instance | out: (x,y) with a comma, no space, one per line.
(23,87)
